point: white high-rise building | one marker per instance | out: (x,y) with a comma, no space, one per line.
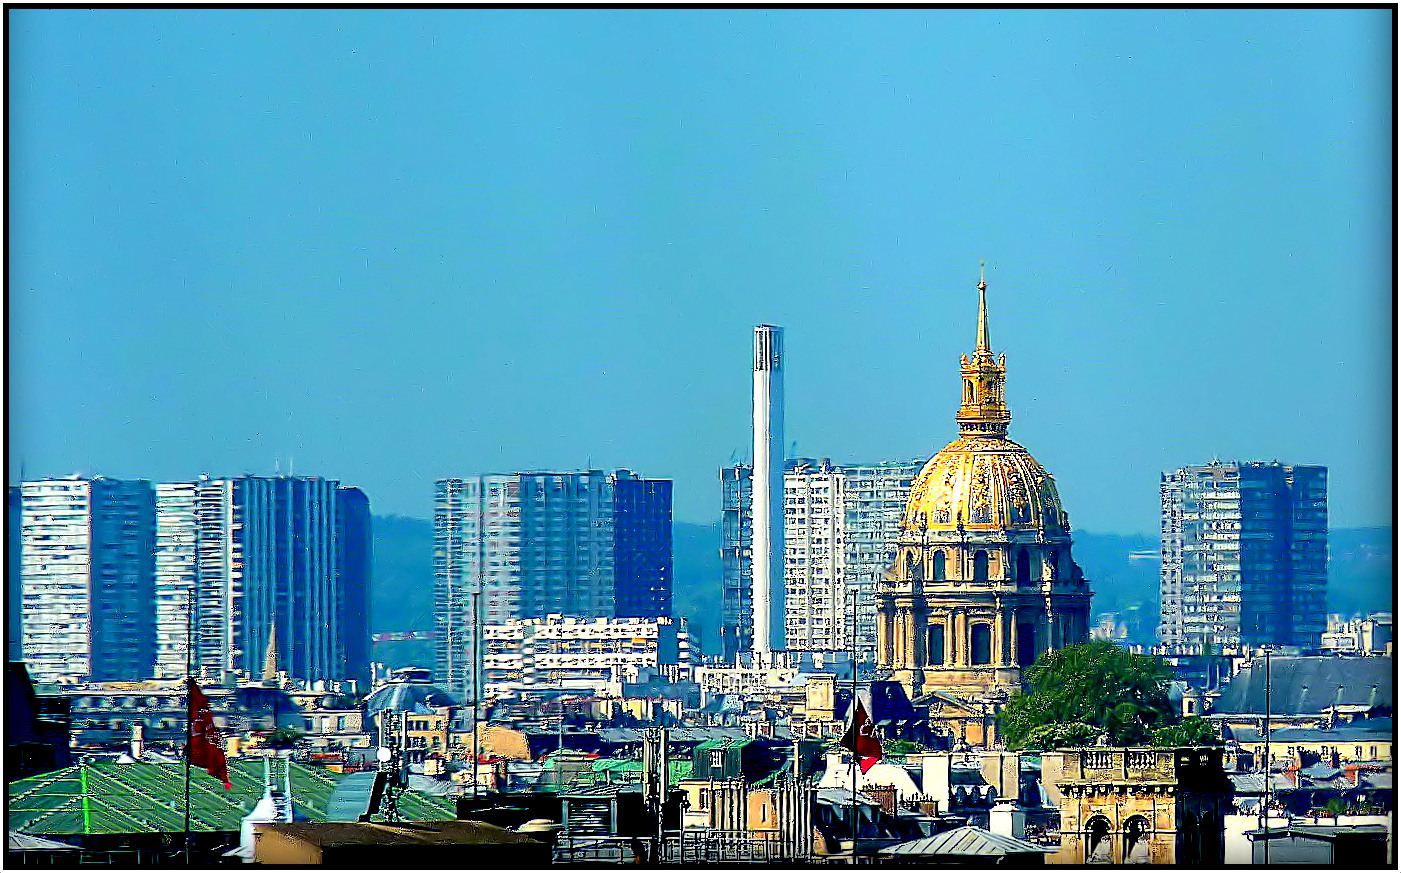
(87,595)
(767,491)
(839,522)
(175,569)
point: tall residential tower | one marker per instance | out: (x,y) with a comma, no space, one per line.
(1245,556)
(86,551)
(583,544)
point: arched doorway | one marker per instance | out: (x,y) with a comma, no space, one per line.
(1099,847)
(1137,833)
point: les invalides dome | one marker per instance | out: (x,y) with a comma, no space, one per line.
(983,580)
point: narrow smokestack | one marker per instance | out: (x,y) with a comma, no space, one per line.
(767,493)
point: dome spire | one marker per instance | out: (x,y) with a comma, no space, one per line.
(984,344)
(984,410)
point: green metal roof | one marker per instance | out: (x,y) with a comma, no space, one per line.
(622,769)
(722,743)
(108,798)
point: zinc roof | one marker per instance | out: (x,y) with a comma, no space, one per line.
(966,841)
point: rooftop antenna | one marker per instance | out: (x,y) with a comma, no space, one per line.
(277,466)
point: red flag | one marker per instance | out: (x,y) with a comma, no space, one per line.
(206,747)
(861,740)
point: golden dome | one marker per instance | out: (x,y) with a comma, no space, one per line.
(982,480)
(983,483)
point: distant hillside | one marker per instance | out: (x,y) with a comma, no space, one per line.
(1123,572)
(1361,570)
(695,587)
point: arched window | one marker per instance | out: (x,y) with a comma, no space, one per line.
(940,563)
(980,566)
(1136,833)
(934,647)
(1098,848)
(1023,567)
(967,390)
(980,642)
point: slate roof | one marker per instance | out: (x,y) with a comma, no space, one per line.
(1307,685)
(1254,783)
(112,798)
(966,842)
(1372,730)
(415,697)
(1320,770)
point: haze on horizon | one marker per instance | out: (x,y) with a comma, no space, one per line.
(389,246)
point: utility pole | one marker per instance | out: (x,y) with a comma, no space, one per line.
(1269,794)
(477,661)
(856,732)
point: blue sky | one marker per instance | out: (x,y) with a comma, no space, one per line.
(393,246)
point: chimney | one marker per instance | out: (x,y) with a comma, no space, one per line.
(138,740)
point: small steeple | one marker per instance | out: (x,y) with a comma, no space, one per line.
(270,659)
(983,412)
(984,344)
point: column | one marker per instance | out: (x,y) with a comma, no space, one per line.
(882,634)
(960,648)
(919,630)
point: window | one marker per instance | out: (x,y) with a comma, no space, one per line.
(939,566)
(935,644)
(981,643)
(980,566)
(1023,567)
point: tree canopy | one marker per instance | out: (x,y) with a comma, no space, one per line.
(1074,696)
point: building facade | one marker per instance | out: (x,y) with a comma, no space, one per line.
(176,574)
(278,554)
(584,544)
(1245,556)
(736,561)
(1140,806)
(559,648)
(86,554)
(983,580)
(839,523)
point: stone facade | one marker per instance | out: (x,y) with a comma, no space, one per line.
(1140,806)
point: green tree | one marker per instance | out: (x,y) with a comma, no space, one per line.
(1191,731)
(900,747)
(1060,736)
(1097,684)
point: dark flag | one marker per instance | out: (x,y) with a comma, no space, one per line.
(860,738)
(206,748)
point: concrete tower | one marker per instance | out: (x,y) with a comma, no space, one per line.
(767,489)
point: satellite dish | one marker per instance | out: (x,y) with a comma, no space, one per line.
(384,753)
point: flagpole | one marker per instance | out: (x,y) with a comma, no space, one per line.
(189,721)
(856,735)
